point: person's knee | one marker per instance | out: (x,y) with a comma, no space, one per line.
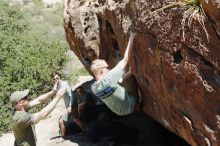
(61,121)
(62,127)
(62,124)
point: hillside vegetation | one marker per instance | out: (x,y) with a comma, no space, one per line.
(32,45)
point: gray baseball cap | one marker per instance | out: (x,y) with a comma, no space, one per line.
(17,96)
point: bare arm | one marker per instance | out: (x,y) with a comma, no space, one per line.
(45,111)
(81,106)
(128,50)
(69,109)
(126,75)
(42,98)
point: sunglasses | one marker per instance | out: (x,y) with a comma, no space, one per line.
(56,78)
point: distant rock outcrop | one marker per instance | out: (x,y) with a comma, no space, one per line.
(175,62)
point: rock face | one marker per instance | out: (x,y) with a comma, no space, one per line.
(175,63)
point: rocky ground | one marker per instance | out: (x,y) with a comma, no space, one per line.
(7,139)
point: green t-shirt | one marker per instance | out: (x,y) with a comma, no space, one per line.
(23,129)
(113,94)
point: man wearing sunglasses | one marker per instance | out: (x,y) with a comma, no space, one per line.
(66,119)
(23,122)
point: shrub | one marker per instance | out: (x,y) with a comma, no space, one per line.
(26,59)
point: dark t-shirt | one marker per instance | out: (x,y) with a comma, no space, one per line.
(88,99)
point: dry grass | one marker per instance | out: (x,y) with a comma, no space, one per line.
(193,11)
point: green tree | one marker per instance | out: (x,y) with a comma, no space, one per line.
(26,59)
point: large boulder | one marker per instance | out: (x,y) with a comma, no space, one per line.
(175,59)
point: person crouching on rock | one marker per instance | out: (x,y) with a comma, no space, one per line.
(107,87)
